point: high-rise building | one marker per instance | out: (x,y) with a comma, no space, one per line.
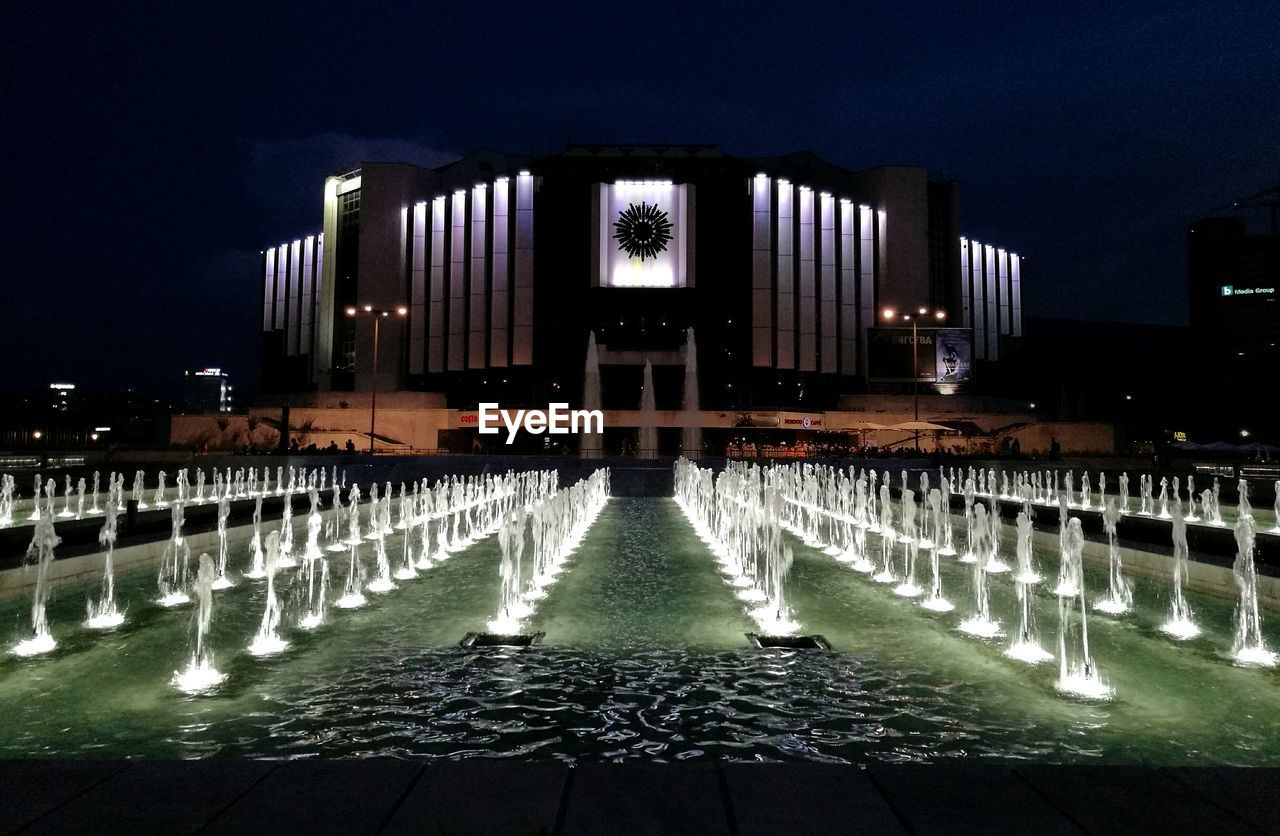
(207,390)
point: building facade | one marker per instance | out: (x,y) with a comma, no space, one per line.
(793,274)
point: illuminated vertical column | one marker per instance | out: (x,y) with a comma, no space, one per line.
(281,294)
(1015,294)
(993,302)
(808,295)
(761,272)
(308,294)
(418,290)
(522,332)
(268,288)
(501,292)
(436,296)
(848,291)
(866,277)
(457,282)
(478,322)
(318,290)
(295,298)
(827,282)
(966,285)
(1002,290)
(786,332)
(978,308)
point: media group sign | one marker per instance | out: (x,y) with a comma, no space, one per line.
(1233,291)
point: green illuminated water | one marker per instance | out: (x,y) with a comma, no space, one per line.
(644,657)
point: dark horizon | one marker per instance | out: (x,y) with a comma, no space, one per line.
(155,153)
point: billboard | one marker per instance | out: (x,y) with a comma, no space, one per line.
(954,356)
(643,234)
(938,355)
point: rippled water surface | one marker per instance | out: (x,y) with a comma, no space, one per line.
(644,657)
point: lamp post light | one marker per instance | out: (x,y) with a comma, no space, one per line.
(378,315)
(939,316)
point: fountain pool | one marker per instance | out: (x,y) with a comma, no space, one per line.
(644,657)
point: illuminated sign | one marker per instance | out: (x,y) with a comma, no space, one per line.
(939,355)
(1179,436)
(62,387)
(642,236)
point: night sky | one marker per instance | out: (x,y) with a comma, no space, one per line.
(149,155)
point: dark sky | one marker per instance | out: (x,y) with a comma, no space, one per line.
(150,153)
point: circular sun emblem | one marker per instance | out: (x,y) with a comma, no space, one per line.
(642,231)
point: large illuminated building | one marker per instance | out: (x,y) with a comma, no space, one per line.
(801,280)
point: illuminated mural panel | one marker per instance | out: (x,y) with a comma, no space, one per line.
(643,234)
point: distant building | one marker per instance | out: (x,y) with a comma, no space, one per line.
(61,396)
(1234,289)
(794,273)
(207,390)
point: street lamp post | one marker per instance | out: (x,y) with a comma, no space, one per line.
(938,315)
(378,314)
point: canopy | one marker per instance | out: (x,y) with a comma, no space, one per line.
(865,425)
(919,425)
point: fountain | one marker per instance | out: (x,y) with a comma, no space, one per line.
(554,524)
(159,500)
(94,510)
(1243,508)
(353,595)
(1026,647)
(6,500)
(1119,598)
(1068,573)
(981,624)
(910,538)
(512,609)
(200,674)
(1180,625)
(1078,676)
(103,614)
(35,506)
(887,537)
(43,542)
(224,511)
(936,601)
(1027,572)
(316,575)
(173,565)
(968,556)
(379,522)
(268,642)
(287,561)
(691,435)
(648,433)
(1249,647)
